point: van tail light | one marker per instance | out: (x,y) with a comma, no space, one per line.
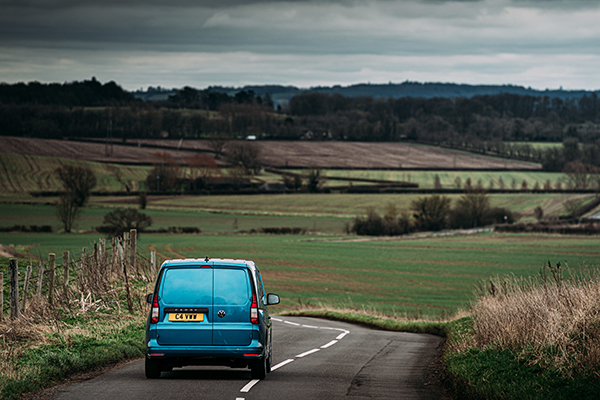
(155,310)
(254,310)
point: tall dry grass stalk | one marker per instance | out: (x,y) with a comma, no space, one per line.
(553,317)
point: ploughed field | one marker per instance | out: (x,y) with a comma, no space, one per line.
(321,154)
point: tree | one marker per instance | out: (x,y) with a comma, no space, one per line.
(538,212)
(123,220)
(77,182)
(314,180)
(203,167)
(67,211)
(431,213)
(217,144)
(436,182)
(165,174)
(245,155)
(581,175)
(472,210)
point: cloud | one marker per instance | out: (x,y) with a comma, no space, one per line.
(295,41)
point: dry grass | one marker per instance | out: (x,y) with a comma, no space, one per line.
(555,319)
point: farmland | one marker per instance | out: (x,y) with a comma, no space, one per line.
(325,155)
(416,278)
(429,277)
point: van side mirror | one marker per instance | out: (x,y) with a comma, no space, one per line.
(149,298)
(272,299)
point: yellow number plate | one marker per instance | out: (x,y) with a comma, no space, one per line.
(186,317)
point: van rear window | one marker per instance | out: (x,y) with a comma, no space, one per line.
(232,287)
(187,286)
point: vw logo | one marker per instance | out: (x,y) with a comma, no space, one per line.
(221,313)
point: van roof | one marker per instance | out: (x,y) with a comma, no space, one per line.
(211,261)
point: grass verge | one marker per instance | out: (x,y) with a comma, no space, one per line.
(376,322)
(67,348)
(529,339)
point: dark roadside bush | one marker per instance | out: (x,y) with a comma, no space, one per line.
(175,229)
(500,215)
(462,218)
(284,231)
(30,228)
(375,225)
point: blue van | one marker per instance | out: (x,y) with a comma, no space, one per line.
(209,312)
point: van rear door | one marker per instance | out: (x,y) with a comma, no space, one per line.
(231,311)
(186,303)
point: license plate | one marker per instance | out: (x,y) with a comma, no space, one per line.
(186,317)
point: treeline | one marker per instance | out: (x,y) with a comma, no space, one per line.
(460,122)
(488,124)
(208,99)
(74,94)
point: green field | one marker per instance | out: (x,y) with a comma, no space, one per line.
(416,278)
(426,179)
(325,213)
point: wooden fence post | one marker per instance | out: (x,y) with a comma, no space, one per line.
(40,279)
(13,270)
(66,261)
(96,254)
(125,246)
(113,257)
(26,287)
(133,249)
(124,266)
(51,260)
(1,296)
(103,250)
(153,263)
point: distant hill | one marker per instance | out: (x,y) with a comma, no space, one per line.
(281,94)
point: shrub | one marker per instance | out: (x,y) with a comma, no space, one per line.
(122,220)
(431,213)
(500,215)
(474,208)
(375,225)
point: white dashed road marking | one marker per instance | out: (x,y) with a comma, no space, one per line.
(281,364)
(253,382)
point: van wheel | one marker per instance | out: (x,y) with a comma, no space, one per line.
(259,369)
(152,369)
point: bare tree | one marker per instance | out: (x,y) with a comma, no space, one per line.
(165,174)
(202,166)
(581,175)
(217,144)
(245,155)
(77,182)
(67,211)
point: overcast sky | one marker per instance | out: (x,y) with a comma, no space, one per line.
(173,43)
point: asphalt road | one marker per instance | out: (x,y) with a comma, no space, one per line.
(312,359)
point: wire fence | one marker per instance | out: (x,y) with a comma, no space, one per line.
(106,268)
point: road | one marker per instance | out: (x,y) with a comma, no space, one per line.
(312,359)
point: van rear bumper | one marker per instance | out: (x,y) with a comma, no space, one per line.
(251,352)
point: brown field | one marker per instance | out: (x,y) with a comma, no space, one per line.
(326,154)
